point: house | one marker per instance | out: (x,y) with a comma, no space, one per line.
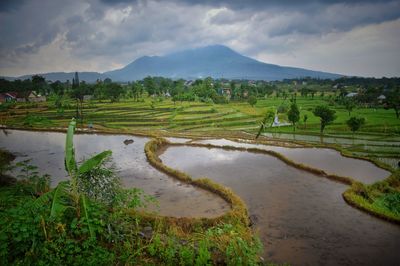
(224,91)
(30,96)
(351,94)
(227,92)
(381,97)
(8,97)
(188,83)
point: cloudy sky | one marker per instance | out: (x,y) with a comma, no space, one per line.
(349,37)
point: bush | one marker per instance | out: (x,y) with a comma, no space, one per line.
(252,100)
(219,99)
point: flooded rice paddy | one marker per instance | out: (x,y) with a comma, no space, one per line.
(46,149)
(302,218)
(329,160)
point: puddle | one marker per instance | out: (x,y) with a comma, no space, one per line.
(46,149)
(302,218)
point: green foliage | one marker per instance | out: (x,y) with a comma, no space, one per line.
(60,199)
(219,99)
(6,106)
(203,256)
(305,118)
(389,201)
(70,163)
(269,116)
(294,114)
(93,162)
(39,184)
(281,109)
(349,104)
(252,100)
(85,206)
(186,255)
(355,123)
(325,114)
(32,120)
(239,252)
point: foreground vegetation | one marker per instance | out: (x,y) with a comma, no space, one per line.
(77,223)
(381,199)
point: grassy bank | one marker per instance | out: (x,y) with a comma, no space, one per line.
(381,199)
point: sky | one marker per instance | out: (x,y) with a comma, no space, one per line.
(347,37)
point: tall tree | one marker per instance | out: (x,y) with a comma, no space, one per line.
(113,91)
(349,104)
(294,114)
(325,114)
(393,100)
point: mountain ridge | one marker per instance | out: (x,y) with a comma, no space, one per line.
(216,61)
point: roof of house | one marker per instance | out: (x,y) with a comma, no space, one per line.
(381,97)
(351,94)
(9,94)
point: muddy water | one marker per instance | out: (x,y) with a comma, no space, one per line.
(302,218)
(329,160)
(46,149)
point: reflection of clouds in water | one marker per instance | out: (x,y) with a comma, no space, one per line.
(329,160)
(26,142)
(218,156)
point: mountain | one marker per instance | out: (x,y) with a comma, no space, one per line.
(216,61)
(89,77)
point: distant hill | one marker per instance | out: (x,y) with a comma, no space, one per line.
(89,77)
(215,61)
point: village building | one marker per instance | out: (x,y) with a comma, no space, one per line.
(30,96)
(351,94)
(22,96)
(8,97)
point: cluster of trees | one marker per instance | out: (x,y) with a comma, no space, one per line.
(326,115)
(219,90)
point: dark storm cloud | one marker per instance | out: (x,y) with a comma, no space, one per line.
(97,32)
(10,5)
(270,3)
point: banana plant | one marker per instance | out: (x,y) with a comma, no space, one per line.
(67,194)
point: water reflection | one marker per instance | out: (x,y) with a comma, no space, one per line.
(46,149)
(328,160)
(302,218)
